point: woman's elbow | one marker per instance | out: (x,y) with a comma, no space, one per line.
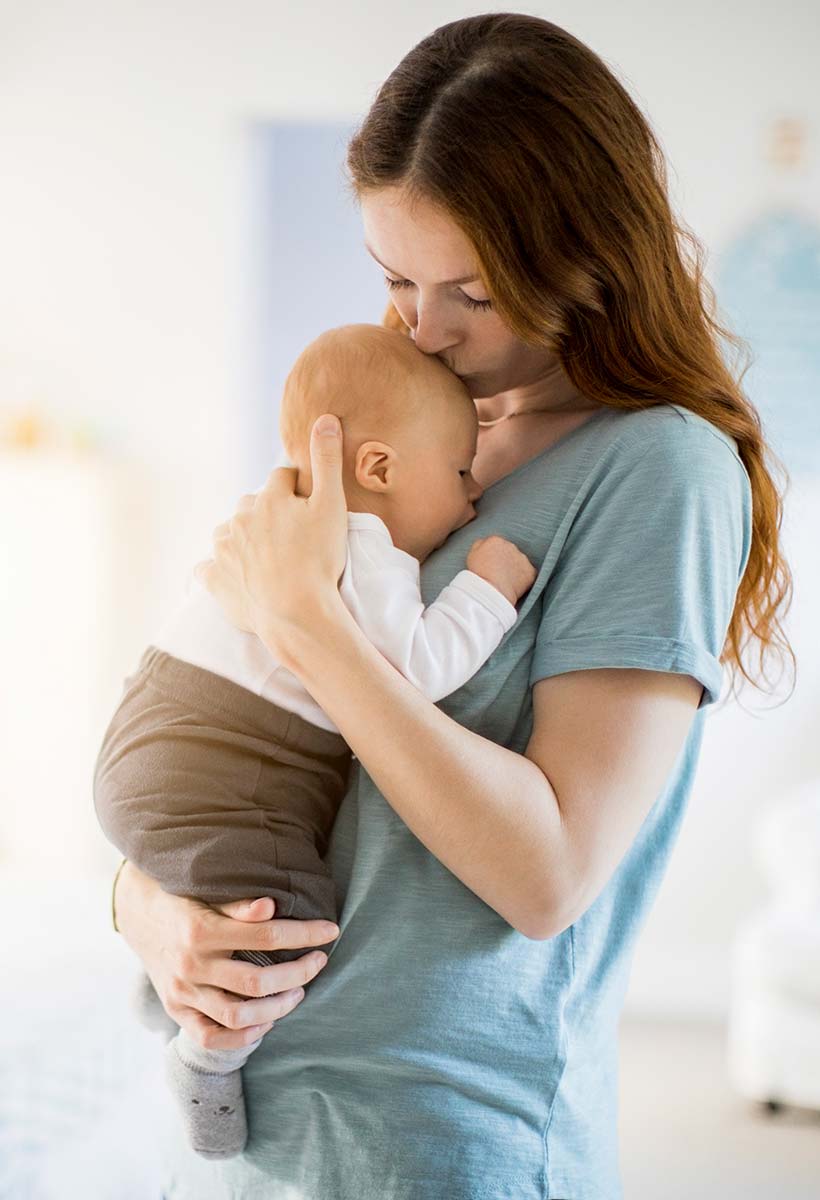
(539,930)
(546,921)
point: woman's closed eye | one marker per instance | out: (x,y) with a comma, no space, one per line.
(468,301)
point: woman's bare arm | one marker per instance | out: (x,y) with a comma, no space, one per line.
(186,947)
(487,813)
(490,815)
(604,741)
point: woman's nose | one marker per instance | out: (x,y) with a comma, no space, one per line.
(429,333)
(475,491)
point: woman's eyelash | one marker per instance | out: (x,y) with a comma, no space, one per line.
(393,284)
(471,303)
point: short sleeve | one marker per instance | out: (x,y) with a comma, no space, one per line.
(648,573)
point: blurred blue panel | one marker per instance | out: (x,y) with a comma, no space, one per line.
(769,284)
(308,267)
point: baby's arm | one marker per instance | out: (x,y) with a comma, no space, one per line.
(503,565)
(440,647)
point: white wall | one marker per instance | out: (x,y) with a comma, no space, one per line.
(122,299)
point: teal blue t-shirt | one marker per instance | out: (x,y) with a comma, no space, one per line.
(441,1055)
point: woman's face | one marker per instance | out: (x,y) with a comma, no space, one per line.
(432,272)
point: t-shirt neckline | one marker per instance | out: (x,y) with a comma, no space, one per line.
(548,449)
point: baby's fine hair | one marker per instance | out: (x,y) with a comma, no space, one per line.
(374,379)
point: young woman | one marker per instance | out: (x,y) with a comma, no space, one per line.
(497,853)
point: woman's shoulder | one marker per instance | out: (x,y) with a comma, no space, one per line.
(671,437)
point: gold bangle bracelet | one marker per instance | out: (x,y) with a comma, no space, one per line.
(113,895)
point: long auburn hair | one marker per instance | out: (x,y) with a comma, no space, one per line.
(529,142)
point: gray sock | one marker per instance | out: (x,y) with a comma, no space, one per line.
(148,1007)
(207,1085)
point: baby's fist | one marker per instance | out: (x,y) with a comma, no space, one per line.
(503,565)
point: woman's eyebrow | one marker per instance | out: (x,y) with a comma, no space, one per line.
(444,283)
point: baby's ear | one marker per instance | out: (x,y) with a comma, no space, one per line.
(374,466)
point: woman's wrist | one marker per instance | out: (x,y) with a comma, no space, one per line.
(128,881)
(299,644)
(114,896)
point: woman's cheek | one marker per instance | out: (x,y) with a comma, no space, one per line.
(406,309)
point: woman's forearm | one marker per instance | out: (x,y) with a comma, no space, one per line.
(488,814)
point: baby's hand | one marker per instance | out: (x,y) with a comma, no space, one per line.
(503,565)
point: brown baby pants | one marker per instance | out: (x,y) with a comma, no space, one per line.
(219,794)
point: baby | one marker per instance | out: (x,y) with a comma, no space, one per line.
(219,775)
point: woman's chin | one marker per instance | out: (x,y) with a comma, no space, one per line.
(482,385)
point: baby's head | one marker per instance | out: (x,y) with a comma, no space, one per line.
(409,426)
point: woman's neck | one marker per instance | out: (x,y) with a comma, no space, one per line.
(521,423)
(551,392)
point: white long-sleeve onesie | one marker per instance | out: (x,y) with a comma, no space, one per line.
(438,648)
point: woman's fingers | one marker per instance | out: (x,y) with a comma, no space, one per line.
(237,1013)
(221,574)
(222,1019)
(260,909)
(211,1036)
(203,570)
(278,553)
(248,983)
(281,481)
(326,460)
(212,932)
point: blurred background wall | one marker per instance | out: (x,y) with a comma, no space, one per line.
(129,321)
(157,273)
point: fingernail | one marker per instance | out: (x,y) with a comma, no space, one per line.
(327,426)
(330,930)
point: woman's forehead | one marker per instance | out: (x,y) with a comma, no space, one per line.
(416,239)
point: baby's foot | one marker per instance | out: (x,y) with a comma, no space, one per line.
(148,1007)
(212,1105)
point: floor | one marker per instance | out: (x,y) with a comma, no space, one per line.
(82,1096)
(685,1133)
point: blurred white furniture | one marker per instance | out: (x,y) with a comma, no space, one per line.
(71,557)
(83,1101)
(774,1017)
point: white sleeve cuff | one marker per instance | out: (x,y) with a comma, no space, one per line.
(488,595)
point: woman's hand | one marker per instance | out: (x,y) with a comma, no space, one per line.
(278,561)
(186,947)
